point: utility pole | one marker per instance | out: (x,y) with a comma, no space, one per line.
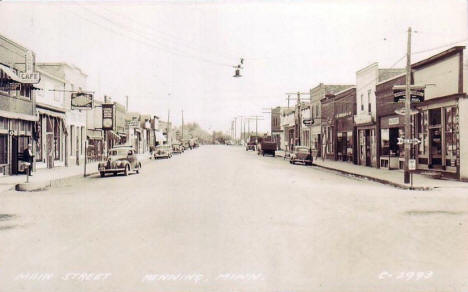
(299,118)
(256,126)
(407,109)
(167,126)
(182,124)
(248,127)
(235,129)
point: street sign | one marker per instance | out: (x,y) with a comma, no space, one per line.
(416,93)
(412,164)
(81,100)
(107,116)
(413,141)
(402,111)
(308,122)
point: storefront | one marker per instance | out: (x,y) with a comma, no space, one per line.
(438,131)
(441,119)
(366,139)
(17,120)
(50,142)
(345,139)
(95,149)
(391,153)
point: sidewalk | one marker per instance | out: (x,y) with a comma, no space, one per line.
(385,176)
(45,177)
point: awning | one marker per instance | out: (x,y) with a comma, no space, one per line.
(94,137)
(8,71)
(114,134)
(18,116)
(159,136)
(60,115)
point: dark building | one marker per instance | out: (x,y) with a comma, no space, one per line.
(390,124)
(345,109)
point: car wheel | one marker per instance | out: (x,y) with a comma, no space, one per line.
(102,174)
(138,169)
(127,169)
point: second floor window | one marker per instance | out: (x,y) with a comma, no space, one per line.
(362,102)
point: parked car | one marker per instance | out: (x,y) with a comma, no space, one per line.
(162,151)
(120,159)
(177,148)
(301,154)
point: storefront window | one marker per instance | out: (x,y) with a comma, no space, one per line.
(435,117)
(450,137)
(3,124)
(385,141)
(349,145)
(3,149)
(423,123)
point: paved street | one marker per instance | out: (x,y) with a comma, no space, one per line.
(219,218)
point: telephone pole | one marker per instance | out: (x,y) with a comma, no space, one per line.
(407,109)
(182,124)
(167,126)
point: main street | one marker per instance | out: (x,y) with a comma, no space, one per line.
(219,218)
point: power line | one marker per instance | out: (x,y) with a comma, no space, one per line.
(149,41)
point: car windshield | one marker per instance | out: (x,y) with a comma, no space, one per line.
(162,147)
(119,152)
(302,149)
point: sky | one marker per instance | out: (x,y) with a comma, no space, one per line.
(179,55)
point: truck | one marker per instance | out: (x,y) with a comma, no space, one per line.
(266,145)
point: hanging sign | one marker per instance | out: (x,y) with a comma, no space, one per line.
(107,116)
(81,100)
(416,93)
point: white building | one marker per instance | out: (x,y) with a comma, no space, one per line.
(365,119)
(75,121)
(51,108)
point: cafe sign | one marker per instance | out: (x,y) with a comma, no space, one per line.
(30,76)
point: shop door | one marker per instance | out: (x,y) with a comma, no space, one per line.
(344,146)
(368,147)
(50,150)
(14,154)
(435,150)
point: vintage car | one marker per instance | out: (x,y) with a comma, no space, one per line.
(301,154)
(177,148)
(162,151)
(120,159)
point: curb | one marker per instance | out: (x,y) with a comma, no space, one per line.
(371,178)
(41,186)
(379,180)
